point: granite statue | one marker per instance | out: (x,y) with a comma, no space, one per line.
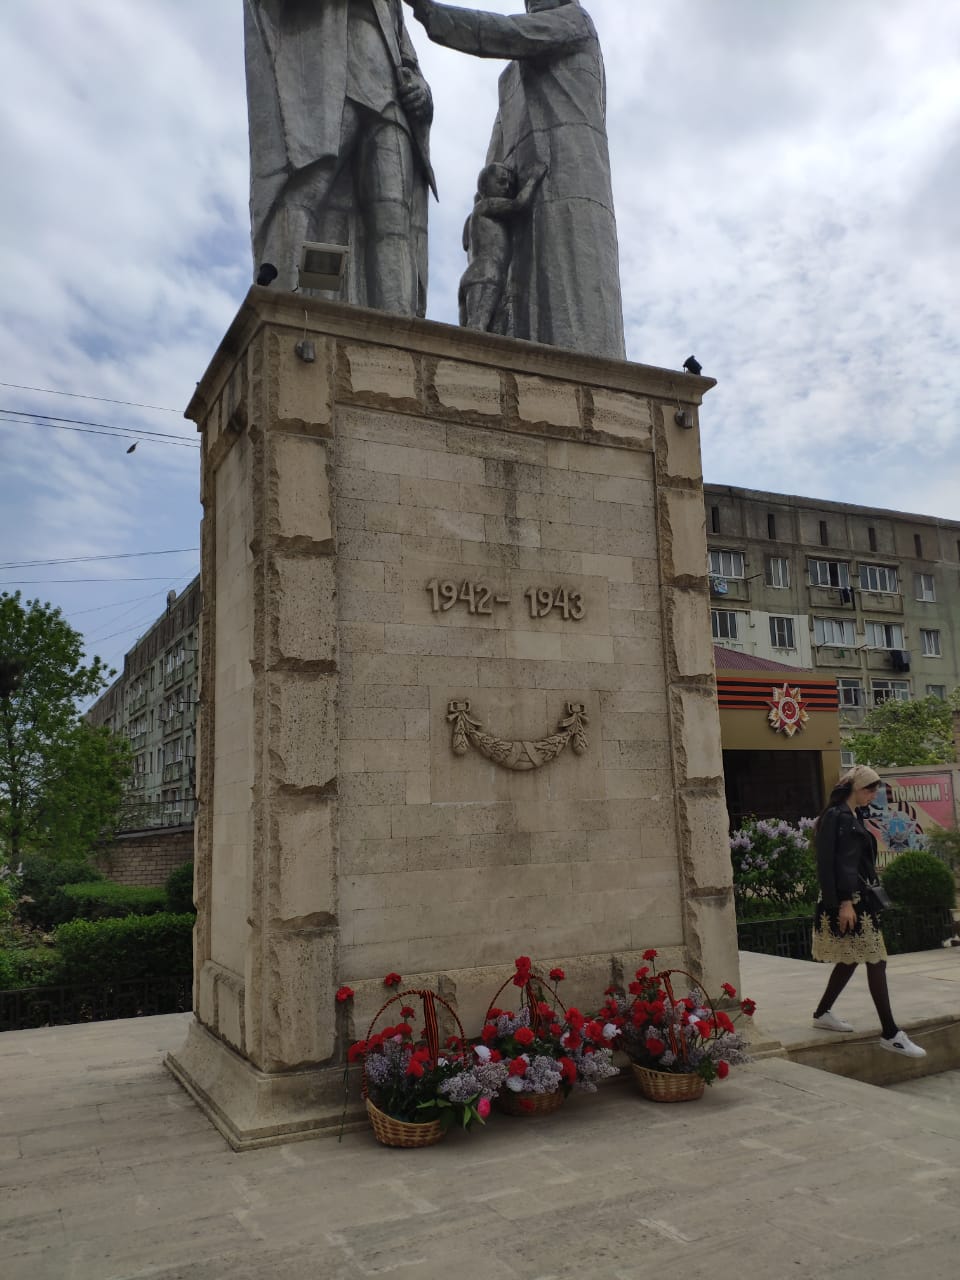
(488,243)
(563,283)
(339,118)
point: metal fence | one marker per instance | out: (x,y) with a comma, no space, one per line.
(93,1002)
(904,929)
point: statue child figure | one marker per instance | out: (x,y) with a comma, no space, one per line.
(487,240)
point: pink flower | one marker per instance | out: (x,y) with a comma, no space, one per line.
(483,1108)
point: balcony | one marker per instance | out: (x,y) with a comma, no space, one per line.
(144,815)
(880,601)
(173,771)
(828,655)
(137,740)
(138,701)
(729,588)
(830,597)
(173,676)
(173,724)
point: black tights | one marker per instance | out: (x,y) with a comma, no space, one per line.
(876,981)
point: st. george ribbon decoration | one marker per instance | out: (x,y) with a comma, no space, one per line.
(517,754)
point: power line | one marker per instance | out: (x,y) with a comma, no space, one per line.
(117,604)
(44,582)
(122,555)
(24,417)
(75,395)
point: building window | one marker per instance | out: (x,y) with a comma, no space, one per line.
(778,571)
(872,538)
(850,692)
(771,525)
(715,520)
(847,760)
(829,573)
(938,691)
(923,586)
(918,546)
(781,633)
(890,690)
(824,534)
(878,577)
(930,643)
(723,623)
(884,635)
(725,564)
(836,631)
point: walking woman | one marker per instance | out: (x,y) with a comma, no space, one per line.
(846,929)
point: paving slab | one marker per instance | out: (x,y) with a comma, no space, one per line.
(781,1170)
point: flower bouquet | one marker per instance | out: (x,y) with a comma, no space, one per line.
(547,1050)
(414,1090)
(677,1044)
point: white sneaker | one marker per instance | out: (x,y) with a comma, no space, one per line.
(830,1022)
(902,1044)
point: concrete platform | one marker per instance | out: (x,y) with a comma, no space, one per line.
(109,1172)
(924,996)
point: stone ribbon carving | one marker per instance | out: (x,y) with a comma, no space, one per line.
(519,754)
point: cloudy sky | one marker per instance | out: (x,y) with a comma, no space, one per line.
(787,178)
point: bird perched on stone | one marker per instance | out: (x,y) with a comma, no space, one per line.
(691,365)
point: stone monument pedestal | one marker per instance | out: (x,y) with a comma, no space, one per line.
(457,697)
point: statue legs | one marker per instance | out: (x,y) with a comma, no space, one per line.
(378,153)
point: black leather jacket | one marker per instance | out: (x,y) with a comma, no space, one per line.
(846,851)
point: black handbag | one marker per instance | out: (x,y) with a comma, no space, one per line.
(873,896)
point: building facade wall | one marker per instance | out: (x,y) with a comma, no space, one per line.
(868,596)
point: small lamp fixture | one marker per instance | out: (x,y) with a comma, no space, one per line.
(322,265)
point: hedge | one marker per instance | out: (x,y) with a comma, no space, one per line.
(179,888)
(116,950)
(104,899)
(43,904)
(27,967)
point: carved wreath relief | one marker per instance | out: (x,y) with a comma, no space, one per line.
(518,754)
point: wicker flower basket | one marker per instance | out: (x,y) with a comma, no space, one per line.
(529,1104)
(403,1133)
(668,1086)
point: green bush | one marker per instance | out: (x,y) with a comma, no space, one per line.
(179,889)
(27,967)
(104,899)
(918,879)
(945,845)
(158,946)
(43,904)
(774,868)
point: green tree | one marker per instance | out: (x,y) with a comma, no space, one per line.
(905,733)
(61,779)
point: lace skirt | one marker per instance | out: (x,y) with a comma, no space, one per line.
(862,945)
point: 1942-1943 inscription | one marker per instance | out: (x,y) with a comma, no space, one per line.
(479,598)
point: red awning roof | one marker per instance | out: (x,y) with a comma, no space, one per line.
(735,660)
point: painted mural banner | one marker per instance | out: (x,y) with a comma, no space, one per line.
(908,809)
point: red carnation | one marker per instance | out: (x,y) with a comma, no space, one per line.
(635,988)
(523,964)
(518,1067)
(642,972)
(724,1021)
(610,991)
(415,1068)
(705,1028)
(568,1069)
(403,1029)
(392,980)
(356,1050)
(524,1036)
(655,1046)
(544,1010)
(496,1055)
(650,955)
(422,1055)
(375,1041)
(493,1013)
(556,1029)
(557,975)
(344,994)
(575,1019)
(723,1070)
(730,991)
(749,1007)
(594,1030)
(489,1032)
(407,1012)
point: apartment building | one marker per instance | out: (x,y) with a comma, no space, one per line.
(867,596)
(154,704)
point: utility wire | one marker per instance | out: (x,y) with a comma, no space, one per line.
(117,604)
(75,395)
(24,418)
(43,582)
(122,555)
